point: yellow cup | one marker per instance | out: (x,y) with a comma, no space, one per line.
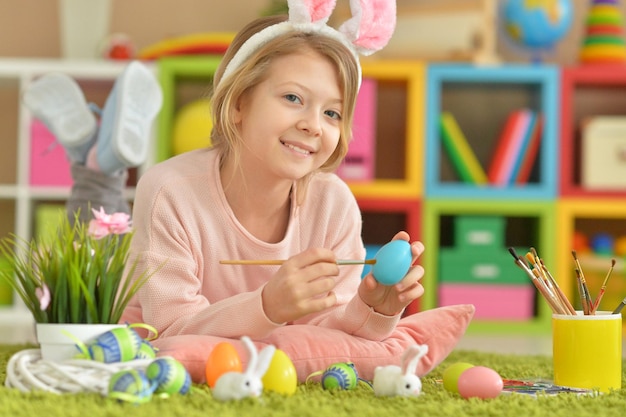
(587,350)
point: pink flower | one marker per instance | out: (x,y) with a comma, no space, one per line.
(106,224)
(43,294)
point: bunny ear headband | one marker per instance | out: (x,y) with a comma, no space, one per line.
(367,31)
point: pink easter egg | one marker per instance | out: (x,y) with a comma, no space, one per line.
(480,382)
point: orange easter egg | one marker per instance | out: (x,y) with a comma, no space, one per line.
(223,358)
(281,376)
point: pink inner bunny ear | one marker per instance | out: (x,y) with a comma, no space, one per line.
(410,358)
(310,11)
(372,24)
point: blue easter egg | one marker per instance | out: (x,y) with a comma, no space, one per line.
(170,375)
(393,261)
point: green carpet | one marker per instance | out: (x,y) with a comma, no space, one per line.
(312,400)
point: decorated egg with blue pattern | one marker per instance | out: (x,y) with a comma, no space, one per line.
(131,385)
(340,376)
(170,376)
(117,345)
(146,351)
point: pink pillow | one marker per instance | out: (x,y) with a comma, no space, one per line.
(313,348)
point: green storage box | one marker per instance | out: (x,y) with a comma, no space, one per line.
(480,267)
(480,232)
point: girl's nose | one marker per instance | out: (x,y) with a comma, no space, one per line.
(310,123)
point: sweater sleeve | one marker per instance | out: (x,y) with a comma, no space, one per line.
(338,217)
(178,297)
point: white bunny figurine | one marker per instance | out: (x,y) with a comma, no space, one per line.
(393,380)
(238,385)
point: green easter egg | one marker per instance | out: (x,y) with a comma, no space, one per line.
(170,375)
(451,375)
(340,376)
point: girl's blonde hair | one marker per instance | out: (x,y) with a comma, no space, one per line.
(226,92)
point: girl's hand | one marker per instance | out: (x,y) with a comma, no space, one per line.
(391,300)
(303,285)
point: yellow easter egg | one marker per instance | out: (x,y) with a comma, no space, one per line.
(451,375)
(281,375)
(223,358)
(192,127)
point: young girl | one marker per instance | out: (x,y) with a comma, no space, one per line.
(283,102)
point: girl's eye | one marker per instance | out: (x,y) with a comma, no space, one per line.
(293,98)
(333,114)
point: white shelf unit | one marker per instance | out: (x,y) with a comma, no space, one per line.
(96,78)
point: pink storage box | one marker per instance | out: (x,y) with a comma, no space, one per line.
(359,162)
(492,302)
(48,164)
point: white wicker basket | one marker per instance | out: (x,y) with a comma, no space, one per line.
(27,371)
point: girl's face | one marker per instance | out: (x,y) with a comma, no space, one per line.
(290,122)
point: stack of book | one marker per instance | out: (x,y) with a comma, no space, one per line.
(514,155)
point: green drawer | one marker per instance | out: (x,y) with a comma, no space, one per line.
(489,266)
(479,232)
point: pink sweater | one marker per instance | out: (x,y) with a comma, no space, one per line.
(184,226)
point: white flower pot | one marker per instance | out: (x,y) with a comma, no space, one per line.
(58,341)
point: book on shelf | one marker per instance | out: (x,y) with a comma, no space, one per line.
(529,154)
(516,149)
(508,147)
(463,158)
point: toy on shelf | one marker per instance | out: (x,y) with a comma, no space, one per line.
(192,127)
(604,38)
(192,44)
(117,46)
(537,25)
(603,152)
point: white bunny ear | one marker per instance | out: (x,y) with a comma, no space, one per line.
(371,26)
(265,359)
(252,353)
(411,357)
(310,11)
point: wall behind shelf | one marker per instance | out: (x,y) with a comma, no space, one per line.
(148,21)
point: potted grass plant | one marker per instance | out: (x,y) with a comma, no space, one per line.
(75,277)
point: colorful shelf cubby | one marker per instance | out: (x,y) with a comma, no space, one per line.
(526,224)
(400,89)
(588,91)
(481,99)
(183,79)
(585,219)
(382,218)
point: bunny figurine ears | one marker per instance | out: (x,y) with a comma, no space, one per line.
(367,31)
